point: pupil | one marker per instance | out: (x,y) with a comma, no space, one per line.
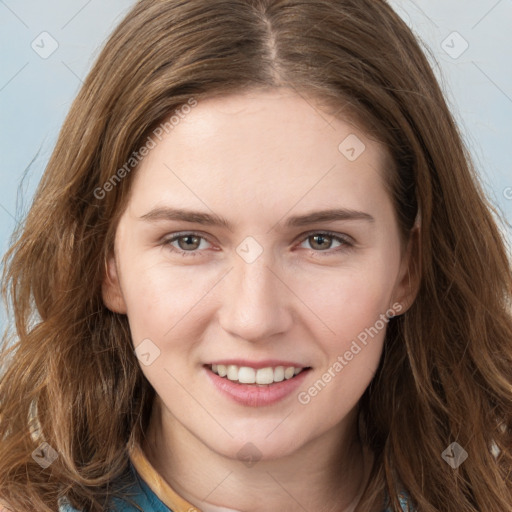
(319,239)
(190,240)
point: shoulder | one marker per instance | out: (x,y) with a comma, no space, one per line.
(139,503)
(136,496)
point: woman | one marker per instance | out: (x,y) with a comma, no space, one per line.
(265,278)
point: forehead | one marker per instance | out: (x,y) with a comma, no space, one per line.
(263,114)
(273,146)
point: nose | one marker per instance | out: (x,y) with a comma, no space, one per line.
(256,302)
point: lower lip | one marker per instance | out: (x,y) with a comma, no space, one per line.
(254,395)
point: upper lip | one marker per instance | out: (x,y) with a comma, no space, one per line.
(259,364)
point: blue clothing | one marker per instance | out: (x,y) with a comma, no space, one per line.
(141,494)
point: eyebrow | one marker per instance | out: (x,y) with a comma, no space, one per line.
(212,219)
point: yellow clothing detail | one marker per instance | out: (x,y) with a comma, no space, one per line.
(157,484)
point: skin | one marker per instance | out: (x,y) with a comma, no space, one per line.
(256,159)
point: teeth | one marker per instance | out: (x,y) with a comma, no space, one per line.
(248,375)
(232,372)
(279,374)
(263,376)
(289,372)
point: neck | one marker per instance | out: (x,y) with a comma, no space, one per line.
(328,474)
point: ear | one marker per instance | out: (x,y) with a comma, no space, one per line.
(111,288)
(409,279)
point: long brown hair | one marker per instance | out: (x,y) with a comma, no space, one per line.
(69,374)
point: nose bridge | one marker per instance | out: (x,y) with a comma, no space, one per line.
(255,303)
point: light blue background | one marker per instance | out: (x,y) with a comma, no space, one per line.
(36,93)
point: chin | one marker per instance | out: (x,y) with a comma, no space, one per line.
(258,444)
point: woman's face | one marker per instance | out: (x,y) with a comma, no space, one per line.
(259,237)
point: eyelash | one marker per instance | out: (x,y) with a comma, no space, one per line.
(346,243)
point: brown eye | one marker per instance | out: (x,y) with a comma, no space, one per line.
(189,242)
(328,243)
(321,242)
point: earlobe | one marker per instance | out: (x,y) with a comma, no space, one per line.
(410,273)
(111,288)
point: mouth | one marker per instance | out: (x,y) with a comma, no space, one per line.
(257,376)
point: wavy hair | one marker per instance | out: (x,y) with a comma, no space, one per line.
(69,373)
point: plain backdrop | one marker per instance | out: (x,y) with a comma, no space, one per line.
(48,46)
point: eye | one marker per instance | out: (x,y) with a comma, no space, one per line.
(323,241)
(191,244)
(187,244)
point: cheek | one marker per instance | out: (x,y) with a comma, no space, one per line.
(167,318)
(161,299)
(350,299)
(355,309)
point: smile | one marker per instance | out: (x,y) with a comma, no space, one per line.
(249,375)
